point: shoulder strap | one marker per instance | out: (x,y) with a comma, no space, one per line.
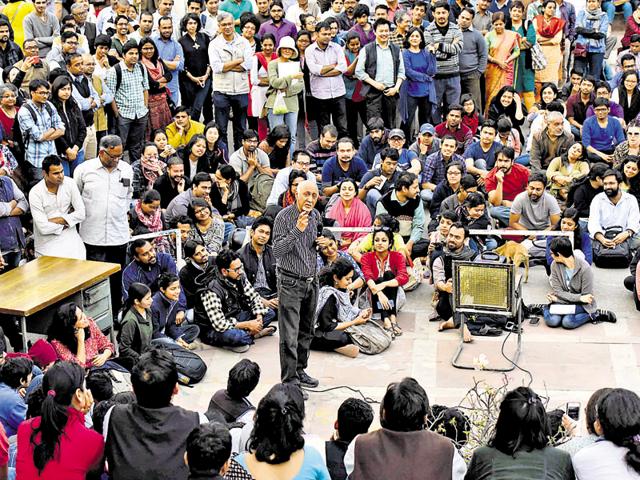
(118,69)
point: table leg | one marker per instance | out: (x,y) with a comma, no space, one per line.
(23,327)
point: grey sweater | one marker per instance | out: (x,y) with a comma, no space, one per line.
(581,283)
(473,57)
(43,31)
(449,48)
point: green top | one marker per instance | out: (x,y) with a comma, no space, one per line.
(135,334)
(549,463)
(291,89)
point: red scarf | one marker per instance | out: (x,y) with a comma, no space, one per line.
(549,30)
(263,60)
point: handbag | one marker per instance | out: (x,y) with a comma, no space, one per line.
(279,106)
(538,60)
(579,50)
(617,257)
(369,337)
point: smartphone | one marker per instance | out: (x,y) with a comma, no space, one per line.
(534,321)
(573,410)
(380,307)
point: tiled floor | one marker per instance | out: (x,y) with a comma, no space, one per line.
(565,365)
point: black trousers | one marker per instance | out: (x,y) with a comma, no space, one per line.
(383,106)
(392,295)
(332,108)
(355,110)
(10,323)
(111,254)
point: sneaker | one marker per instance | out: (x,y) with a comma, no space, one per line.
(265,332)
(237,348)
(605,316)
(307,381)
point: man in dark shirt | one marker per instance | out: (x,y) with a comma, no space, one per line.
(376,183)
(171,183)
(344,165)
(198,262)
(10,52)
(581,196)
(578,104)
(259,262)
(374,141)
(295,237)
(322,149)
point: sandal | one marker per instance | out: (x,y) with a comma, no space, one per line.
(397,331)
(389,330)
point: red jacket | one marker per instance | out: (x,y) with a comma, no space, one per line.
(397,265)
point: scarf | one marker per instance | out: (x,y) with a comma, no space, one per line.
(153,222)
(288,199)
(152,169)
(155,71)
(465,254)
(551,30)
(346,310)
(233,198)
(593,15)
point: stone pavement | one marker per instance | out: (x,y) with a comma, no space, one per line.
(565,365)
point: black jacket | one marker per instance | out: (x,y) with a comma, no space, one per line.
(243,192)
(189,280)
(167,191)
(250,261)
(75,129)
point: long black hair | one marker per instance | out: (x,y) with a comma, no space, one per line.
(277,431)
(340,268)
(574,215)
(60,383)
(137,291)
(619,417)
(63,326)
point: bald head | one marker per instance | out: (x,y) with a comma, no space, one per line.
(307,195)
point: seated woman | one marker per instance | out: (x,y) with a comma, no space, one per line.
(385,272)
(471,116)
(473,214)
(630,168)
(520,443)
(349,211)
(329,254)
(230,196)
(507,102)
(165,151)
(563,171)
(194,157)
(146,217)
(217,153)
(277,447)
(548,93)
(447,187)
(170,323)
(147,170)
(365,244)
(77,338)
(571,286)
(570,222)
(334,311)
(57,444)
(615,453)
(136,330)
(208,227)
(277,146)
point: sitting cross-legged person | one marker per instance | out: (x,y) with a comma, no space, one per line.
(170,323)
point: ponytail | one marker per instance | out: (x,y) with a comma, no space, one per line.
(137,291)
(59,386)
(619,417)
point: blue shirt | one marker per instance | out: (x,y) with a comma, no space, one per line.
(167,51)
(32,131)
(420,68)
(13,410)
(404,160)
(602,139)
(332,173)
(475,151)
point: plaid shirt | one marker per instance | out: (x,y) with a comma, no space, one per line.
(434,167)
(130,96)
(32,131)
(11,55)
(397,39)
(213,306)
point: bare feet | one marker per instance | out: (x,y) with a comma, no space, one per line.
(466,335)
(449,324)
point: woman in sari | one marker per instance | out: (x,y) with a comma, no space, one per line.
(504,48)
(349,211)
(549,37)
(524,82)
(159,113)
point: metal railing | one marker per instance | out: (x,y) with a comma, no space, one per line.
(163,233)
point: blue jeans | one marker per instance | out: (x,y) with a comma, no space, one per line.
(198,101)
(567,321)
(524,159)
(371,200)
(447,92)
(591,64)
(610,9)
(69,167)
(224,105)
(290,120)
(501,214)
(235,337)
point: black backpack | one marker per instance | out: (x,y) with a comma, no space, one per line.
(118,68)
(191,368)
(20,144)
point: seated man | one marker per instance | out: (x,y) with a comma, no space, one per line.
(506,180)
(299,161)
(354,418)
(229,311)
(550,143)
(180,131)
(480,156)
(540,122)
(344,165)
(404,203)
(614,207)
(601,133)
(378,182)
(455,248)
(402,447)
(578,104)
(322,149)
(603,90)
(426,142)
(147,438)
(15,375)
(454,127)
(198,262)
(259,262)
(249,160)
(172,182)
(407,159)
(535,208)
(200,188)
(209,448)
(373,143)
(434,168)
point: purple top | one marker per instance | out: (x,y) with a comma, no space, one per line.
(286,29)
(316,59)
(616,110)
(364,36)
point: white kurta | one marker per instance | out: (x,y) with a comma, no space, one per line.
(50,238)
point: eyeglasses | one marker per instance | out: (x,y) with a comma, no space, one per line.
(382,228)
(43,92)
(236,270)
(113,157)
(201,210)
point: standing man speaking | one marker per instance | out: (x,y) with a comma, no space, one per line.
(295,234)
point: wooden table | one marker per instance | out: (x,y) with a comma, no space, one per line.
(31,288)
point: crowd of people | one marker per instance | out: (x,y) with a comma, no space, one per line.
(316,162)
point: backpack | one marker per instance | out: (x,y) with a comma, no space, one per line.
(618,257)
(20,144)
(118,68)
(369,337)
(260,188)
(191,368)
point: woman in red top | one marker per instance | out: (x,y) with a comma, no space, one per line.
(57,445)
(77,338)
(385,271)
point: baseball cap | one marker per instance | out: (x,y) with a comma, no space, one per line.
(427,128)
(396,132)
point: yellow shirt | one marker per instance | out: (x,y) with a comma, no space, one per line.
(16,12)
(176,140)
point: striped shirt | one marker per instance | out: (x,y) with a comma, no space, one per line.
(295,251)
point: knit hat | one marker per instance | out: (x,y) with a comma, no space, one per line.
(42,353)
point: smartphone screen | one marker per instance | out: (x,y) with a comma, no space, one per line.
(573,410)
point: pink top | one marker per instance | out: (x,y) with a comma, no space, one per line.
(4,448)
(94,345)
(79,452)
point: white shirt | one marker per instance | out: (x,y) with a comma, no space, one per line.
(294,12)
(107,198)
(281,184)
(602,460)
(210,25)
(50,238)
(604,214)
